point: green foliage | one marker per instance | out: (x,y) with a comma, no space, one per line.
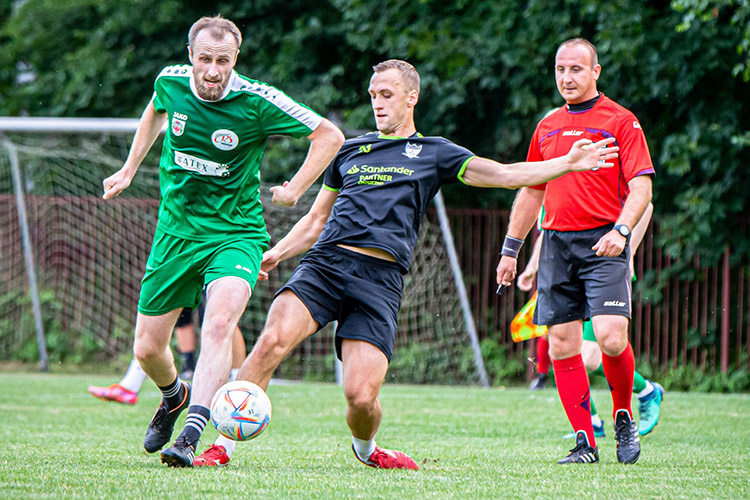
(502,369)
(691,378)
(62,345)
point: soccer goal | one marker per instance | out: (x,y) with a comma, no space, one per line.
(71,263)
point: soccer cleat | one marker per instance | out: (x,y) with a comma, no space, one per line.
(598,432)
(626,435)
(160,429)
(388,459)
(114,392)
(180,454)
(648,409)
(213,456)
(583,453)
(539,382)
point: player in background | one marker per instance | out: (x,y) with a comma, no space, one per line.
(211,230)
(650,394)
(362,229)
(126,390)
(584,271)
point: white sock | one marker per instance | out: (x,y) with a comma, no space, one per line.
(233,374)
(227,443)
(363,448)
(648,390)
(596,420)
(134,377)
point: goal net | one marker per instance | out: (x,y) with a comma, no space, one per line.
(89,256)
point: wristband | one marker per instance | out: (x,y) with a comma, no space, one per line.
(511,246)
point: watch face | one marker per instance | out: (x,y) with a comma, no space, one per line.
(623,230)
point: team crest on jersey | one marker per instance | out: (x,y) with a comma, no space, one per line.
(178,126)
(412,150)
(225,139)
(365,149)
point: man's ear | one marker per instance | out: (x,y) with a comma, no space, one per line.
(413,98)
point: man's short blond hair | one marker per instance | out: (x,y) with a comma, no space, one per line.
(408,73)
(586,44)
(217,26)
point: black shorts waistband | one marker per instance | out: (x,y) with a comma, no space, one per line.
(358,257)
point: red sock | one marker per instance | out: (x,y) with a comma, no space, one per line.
(620,371)
(542,355)
(572,383)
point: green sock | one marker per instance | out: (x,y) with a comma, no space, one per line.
(639,383)
(593,406)
(599,371)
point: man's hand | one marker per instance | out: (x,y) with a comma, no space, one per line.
(282,195)
(268,264)
(525,280)
(587,155)
(611,244)
(506,270)
(116,183)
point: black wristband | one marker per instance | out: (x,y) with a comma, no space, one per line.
(511,246)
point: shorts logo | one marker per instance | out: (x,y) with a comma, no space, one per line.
(614,303)
(225,139)
(412,150)
(365,149)
(178,126)
(636,125)
(239,266)
(572,132)
(353,170)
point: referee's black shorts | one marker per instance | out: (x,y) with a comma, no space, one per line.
(575,284)
(362,293)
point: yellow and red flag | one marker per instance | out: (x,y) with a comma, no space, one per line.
(522,327)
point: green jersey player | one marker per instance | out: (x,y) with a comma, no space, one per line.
(211,230)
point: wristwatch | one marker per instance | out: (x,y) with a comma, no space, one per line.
(623,230)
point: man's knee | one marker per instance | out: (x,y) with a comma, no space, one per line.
(611,333)
(361,397)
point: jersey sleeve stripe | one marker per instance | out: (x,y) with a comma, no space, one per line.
(329,188)
(274,96)
(463,168)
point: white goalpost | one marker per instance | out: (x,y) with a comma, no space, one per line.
(71,263)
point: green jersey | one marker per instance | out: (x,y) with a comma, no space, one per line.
(209,172)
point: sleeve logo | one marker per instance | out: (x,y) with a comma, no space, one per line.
(225,139)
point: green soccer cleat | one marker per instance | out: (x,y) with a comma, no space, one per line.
(598,432)
(649,409)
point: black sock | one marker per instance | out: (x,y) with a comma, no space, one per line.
(188,361)
(195,423)
(173,393)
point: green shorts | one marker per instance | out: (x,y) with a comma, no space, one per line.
(178,269)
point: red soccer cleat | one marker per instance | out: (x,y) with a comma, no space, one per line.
(213,456)
(114,392)
(388,459)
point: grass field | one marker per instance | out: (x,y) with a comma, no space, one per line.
(59,442)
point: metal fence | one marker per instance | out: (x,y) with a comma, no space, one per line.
(703,321)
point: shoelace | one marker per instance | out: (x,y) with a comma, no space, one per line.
(161,414)
(625,432)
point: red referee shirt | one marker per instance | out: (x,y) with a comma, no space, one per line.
(585,200)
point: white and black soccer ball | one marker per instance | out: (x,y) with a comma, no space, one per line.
(240,410)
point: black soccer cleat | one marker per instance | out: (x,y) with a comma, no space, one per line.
(539,382)
(626,435)
(180,454)
(160,429)
(583,453)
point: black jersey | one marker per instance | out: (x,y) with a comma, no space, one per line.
(385,185)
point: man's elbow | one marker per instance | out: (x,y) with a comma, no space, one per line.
(329,133)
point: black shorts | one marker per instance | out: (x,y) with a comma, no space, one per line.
(186,315)
(362,293)
(575,284)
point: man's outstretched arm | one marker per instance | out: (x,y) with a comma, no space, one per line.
(148,130)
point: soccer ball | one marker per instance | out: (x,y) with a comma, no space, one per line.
(240,410)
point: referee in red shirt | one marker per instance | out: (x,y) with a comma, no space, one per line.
(583,271)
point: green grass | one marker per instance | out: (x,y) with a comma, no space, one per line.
(59,442)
